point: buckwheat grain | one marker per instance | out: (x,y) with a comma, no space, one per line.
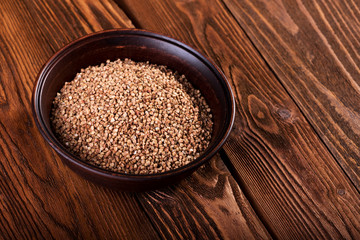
(132,117)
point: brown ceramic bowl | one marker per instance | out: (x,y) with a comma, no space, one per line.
(138,45)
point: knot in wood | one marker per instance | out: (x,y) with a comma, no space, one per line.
(284,113)
(341,191)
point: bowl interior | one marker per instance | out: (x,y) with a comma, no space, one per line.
(138,46)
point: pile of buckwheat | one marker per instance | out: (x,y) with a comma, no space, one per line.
(132,117)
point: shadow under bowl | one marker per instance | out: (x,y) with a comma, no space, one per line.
(141,46)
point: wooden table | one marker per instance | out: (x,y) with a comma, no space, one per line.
(290,169)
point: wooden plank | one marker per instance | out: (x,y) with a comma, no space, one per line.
(313,47)
(39,197)
(289,176)
(207,205)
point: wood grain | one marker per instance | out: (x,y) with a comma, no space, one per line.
(3,98)
(207,205)
(39,197)
(313,47)
(289,176)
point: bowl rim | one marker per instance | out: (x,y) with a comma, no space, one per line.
(40,79)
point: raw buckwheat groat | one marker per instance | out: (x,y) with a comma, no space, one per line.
(132,117)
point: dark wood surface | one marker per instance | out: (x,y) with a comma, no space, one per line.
(313,48)
(290,168)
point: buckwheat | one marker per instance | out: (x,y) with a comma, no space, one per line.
(132,117)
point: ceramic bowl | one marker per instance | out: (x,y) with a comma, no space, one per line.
(138,45)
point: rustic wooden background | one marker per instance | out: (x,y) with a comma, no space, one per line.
(290,169)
